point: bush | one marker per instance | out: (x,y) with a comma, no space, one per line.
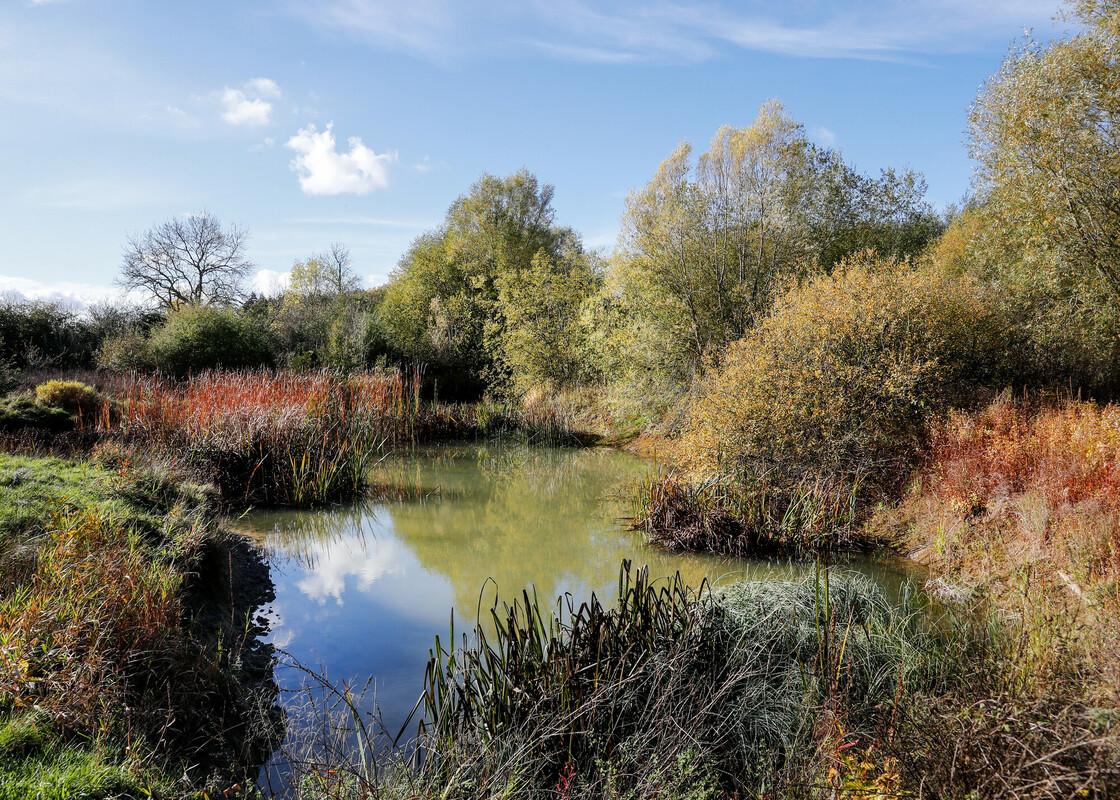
(125,352)
(198,338)
(74,397)
(23,413)
(840,381)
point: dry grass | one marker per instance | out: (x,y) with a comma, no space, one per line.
(1021,501)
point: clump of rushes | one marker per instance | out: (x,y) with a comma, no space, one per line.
(285,438)
(721,516)
(672,692)
(819,687)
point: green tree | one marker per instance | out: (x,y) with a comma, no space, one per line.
(197,338)
(443,303)
(545,340)
(707,245)
(329,273)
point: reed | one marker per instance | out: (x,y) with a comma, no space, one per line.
(721,516)
(287,438)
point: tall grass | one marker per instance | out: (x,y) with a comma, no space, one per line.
(283,438)
(721,516)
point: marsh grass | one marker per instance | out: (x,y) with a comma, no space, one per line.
(722,516)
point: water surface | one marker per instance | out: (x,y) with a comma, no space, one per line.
(362,590)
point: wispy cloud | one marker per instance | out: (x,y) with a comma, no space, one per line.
(629,31)
(824,135)
(373,222)
(324,170)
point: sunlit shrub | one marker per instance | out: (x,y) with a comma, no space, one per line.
(841,380)
(74,397)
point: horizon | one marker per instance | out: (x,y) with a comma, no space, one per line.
(360,122)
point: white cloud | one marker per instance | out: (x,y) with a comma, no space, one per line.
(72,293)
(247,105)
(323,170)
(263,87)
(824,135)
(243,110)
(269,282)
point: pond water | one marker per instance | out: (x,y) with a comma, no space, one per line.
(362,590)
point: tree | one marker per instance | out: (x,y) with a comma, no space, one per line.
(543,345)
(328,273)
(707,245)
(187,261)
(443,304)
(1046,132)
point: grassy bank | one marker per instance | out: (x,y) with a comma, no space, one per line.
(1020,501)
(120,673)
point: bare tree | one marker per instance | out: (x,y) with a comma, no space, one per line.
(191,260)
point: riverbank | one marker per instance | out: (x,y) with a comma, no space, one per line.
(129,659)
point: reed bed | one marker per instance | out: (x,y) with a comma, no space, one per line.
(287,438)
(812,688)
(721,516)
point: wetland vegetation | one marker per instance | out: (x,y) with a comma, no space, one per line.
(223,514)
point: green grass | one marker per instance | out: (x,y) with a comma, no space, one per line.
(35,764)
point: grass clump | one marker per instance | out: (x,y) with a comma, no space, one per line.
(35,762)
(22,413)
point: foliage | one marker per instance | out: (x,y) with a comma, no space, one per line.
(21,412)
(76,398)
(706,248)
(841,380)
(543,346)
(198,338)
(1045,132)
(36,334)
(444,304)
(324,274)
(1063,323)
(125,352)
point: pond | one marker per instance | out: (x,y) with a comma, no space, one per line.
(362,590)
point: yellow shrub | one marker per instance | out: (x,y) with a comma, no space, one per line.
(839,381)
(78,398)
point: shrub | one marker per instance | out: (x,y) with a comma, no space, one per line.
(23,413)
(198,338)
(840,381)
(74,397)
(125,352)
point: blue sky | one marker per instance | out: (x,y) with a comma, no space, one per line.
(360,121)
